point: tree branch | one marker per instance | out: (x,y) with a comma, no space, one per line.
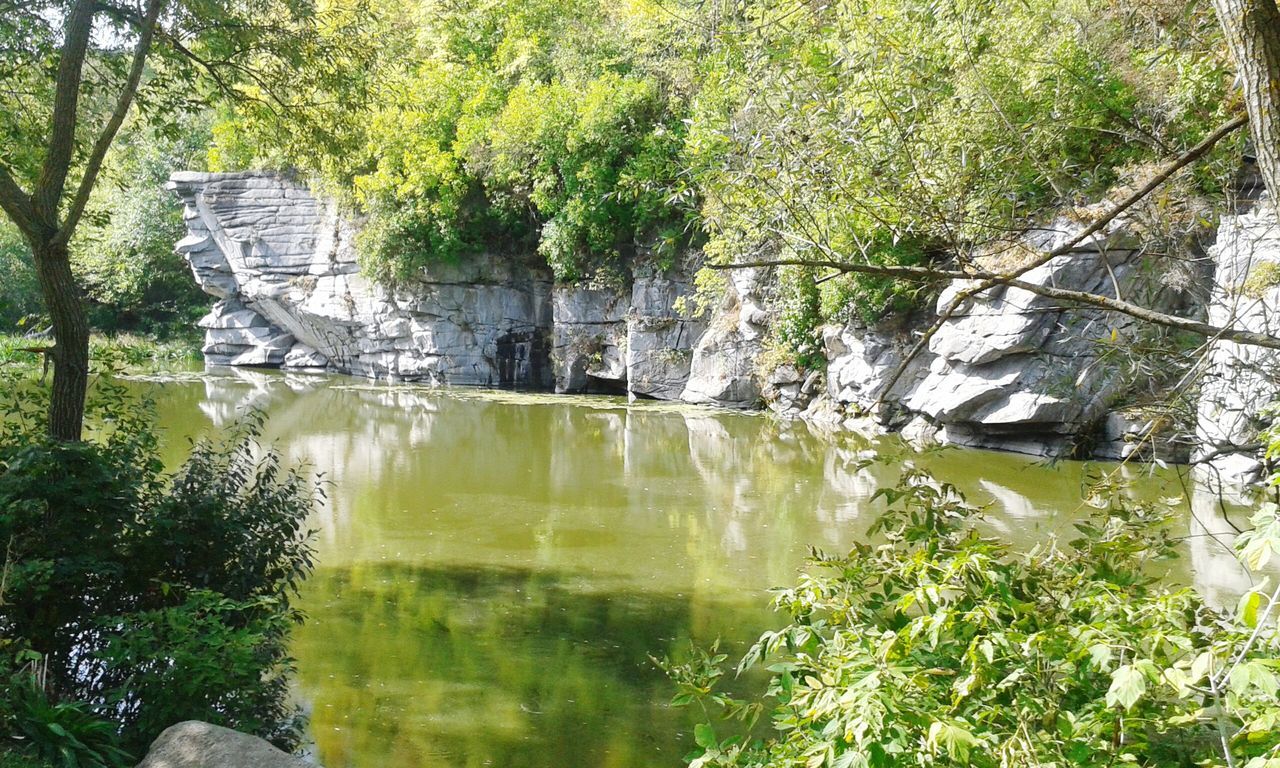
(988,280)
(16,203)
(93,165)
(66,100)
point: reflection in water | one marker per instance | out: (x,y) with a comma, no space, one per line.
(424,666)
(495,568)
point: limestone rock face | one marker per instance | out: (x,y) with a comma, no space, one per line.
(862,360)
(1010,369)
(636,337)
(1241,380)
(725,360)
(661,334)
(590,338)
(194,744)
(283,266)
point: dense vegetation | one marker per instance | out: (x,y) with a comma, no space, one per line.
(132,598)
(890,131)
(133,280)
(942,646)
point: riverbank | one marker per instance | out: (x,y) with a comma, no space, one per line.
(113,349)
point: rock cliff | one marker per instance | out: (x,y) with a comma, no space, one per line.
(1010,370)
(1238,382)
(282,265)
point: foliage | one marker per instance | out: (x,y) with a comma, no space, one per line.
(17,759)
(152,598)
(20,301)
(124,255)
(500,125)
(133,351)
(895,131)
(62,733)
(943,647)
(797,326)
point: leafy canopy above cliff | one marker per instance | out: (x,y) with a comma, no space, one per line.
(594,131)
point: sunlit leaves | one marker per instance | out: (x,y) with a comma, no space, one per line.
(1127,686)
(943,647)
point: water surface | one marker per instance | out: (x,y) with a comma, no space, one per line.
(496,569)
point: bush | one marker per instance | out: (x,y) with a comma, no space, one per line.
(65,733)
(154,598)
(943,647)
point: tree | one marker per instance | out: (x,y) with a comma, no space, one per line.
(71,72)
(900,146)
(1252,30)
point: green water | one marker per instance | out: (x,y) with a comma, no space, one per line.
(496,569)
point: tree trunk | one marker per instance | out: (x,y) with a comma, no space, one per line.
(71,332)
(1252,28)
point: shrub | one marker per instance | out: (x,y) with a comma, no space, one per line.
(153,598)
(944,647)
(66,734)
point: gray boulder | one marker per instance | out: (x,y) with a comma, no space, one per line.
(193,744)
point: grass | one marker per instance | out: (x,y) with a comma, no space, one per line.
(129,350)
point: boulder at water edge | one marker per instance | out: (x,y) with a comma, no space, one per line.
(193,744)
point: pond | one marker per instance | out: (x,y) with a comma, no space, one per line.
(495,569)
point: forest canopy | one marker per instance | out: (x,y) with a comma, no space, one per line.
(890,131)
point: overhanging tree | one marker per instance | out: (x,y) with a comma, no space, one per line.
(72,71)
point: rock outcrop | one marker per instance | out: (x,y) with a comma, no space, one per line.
(282,264)
(194,744)
(631,338)
(1010,370)
(291,293)
(1013,369)
(1240,381)
(724,368)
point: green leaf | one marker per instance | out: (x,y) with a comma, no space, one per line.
(1100,655)
(704,735)
(1127,686)
(1201,667)
(1248,608)
(955,739)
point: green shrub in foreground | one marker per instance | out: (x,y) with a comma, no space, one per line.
(146,597)
(945,647)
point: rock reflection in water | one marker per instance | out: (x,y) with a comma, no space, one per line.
(494,568)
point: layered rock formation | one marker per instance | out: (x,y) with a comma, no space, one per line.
(284,269)
(1010,370)
(1240,381)
(291,293)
